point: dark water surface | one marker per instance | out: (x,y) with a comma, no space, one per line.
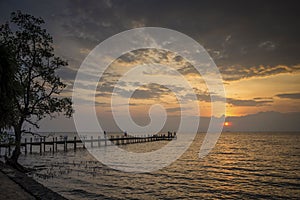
(241,166)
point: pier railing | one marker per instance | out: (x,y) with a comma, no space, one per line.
(54,145)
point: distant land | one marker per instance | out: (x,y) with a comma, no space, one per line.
(266,121)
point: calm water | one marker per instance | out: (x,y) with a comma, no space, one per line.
(241,166)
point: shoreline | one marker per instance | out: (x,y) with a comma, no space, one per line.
(30,186)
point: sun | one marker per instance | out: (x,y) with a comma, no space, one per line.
(227,123)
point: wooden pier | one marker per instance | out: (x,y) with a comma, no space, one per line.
(56,145)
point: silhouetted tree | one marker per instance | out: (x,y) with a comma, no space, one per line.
(7,87)
(36,67)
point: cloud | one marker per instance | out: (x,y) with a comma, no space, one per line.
(267,45)
(238,72)
(253,42)
(176,109)
(232,31)
(289,95)
(205,97)
(248,102)
(239,42)
(150,91)
(188,69)
(239,32)
(145,94)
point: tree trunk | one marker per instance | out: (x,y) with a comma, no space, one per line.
(13,160)
(17,151)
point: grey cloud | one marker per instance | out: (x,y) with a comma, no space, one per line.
(237,72)
(235,24)
(105,88)
(188,69)
(262,98)
(157,71)
(204,96)
(233,73)
(238,34)
(232,29)
(176,109)
(102,104)
(128,57)
(178,58)
(289,95)
(267,45)
(144,94)
(103,94)
(248,102)
(146,56)
(150,91)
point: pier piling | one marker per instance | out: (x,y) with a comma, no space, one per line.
(53,145)
(41,142)
(25,146)
(30,147)
(75,143)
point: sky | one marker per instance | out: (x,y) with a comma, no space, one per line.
(254,44)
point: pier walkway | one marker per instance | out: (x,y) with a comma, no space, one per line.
(66,144)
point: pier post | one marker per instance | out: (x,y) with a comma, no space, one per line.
(83,141)
(75,143)
(56,144)
(44,144)
(30,148)
(65,144)
(92,141)
(41,141)
(25,146)
(53,145)
(99,141)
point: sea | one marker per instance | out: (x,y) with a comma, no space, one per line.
(263,165)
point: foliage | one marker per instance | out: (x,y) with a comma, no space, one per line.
(7,70)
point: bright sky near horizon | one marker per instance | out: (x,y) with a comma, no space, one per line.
(255,46)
